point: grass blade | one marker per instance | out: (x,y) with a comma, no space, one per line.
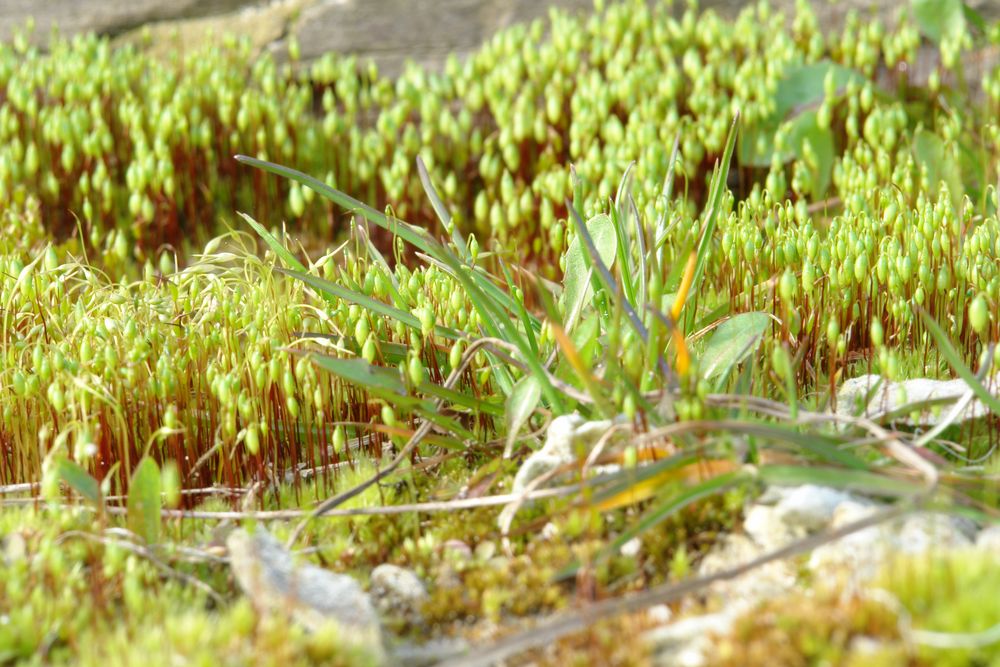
(955,361)
(276,247)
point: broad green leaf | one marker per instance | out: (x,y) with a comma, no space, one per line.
(804,85)
(804,129)
(576,280)
(520,405)
(144,501)
(975,18)
(931,151)
(383,382)
(939,18)
(801,87)
(733,341)
(79,480)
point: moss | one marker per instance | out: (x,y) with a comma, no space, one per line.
(812,629)
(71,594)
(956,592)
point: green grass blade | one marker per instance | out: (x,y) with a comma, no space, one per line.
(368,303)
(415,236)
(280,251)
(442,211)
(714,203)
(864,481)
(823,447)
(521,311)
(955,361)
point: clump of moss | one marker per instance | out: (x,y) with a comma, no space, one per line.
(72,593)
(957,592)
(600,644)
(812,629)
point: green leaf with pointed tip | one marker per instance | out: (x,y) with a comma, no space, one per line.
(804,85)
(939,18)
(940,162)
(145,501)
(382,382)
(733,341)
(576,279)
(79,480)
(805,129)
(520,406)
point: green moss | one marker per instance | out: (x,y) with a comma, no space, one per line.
(816,628)
(956,592)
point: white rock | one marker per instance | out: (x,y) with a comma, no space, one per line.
(314,597)
(929,532)
(989,539)
(564,435)
(765,525)
(631,548)
(891,396)
(687,642)
(809,507)
(660,613)
(398,591)
(852,510)
(739,594)
(862,554)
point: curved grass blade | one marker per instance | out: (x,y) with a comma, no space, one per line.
(955,361)
(442,211)
(415,236)
(839,478)
(276,247)
(367,302)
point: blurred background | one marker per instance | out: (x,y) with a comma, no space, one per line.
(389,31)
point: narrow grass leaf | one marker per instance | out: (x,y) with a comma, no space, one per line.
(872,483)
(280,251)
(955,360)
(442,211)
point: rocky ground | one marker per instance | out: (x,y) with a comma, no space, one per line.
(389,31)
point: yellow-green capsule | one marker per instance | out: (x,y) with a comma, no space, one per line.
(979,315)
(252,439)
(388,415)
(415,369)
